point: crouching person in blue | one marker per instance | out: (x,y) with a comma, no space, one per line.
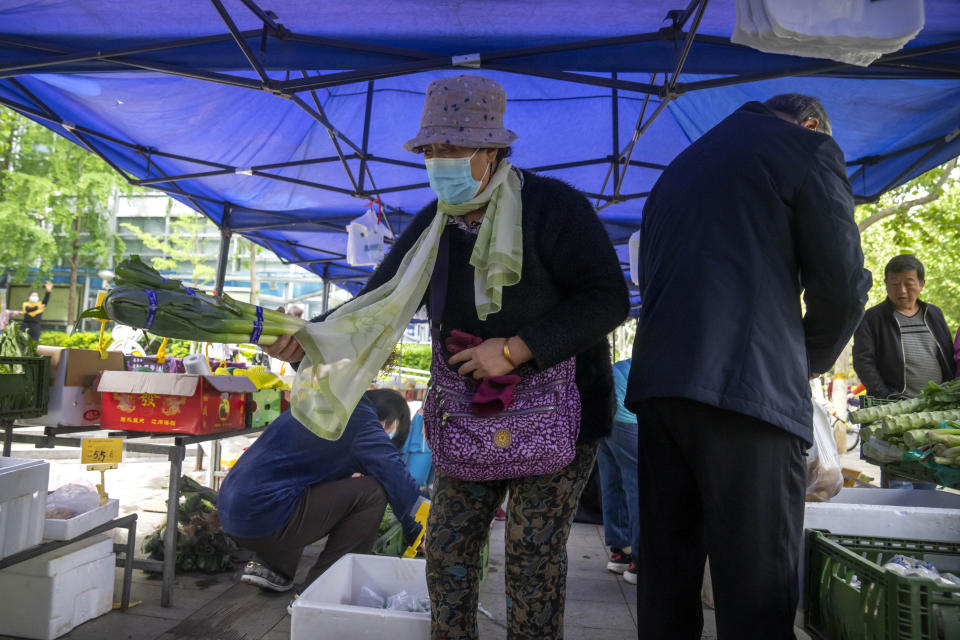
(292,488)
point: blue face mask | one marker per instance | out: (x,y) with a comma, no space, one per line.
(452,179)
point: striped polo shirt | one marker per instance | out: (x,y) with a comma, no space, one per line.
(920,353)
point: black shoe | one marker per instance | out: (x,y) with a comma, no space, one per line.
(262,576)
(619,561)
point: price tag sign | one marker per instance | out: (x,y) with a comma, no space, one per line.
(101,450)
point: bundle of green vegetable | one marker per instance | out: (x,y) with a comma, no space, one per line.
(912,424)
(201,543)
(15,343)
(146,300)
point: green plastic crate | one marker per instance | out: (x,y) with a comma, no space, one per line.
(25,390)
(391,542)
(268,406)
(869,401)
(885,605)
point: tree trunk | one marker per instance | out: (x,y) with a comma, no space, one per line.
(254,285)
(74,267)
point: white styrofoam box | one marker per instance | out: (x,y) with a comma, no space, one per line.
(327,610)
(58,529)
(47,596)
(23,503)
(888,513)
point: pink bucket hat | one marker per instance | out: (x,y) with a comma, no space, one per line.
(466,111)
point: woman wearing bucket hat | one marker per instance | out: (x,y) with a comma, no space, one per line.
(526,283)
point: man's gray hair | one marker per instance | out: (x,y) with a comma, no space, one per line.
(800,107)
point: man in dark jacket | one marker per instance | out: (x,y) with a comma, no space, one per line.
(748,217)
(903,343)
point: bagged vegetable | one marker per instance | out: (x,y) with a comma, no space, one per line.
(71,500)
(824,475)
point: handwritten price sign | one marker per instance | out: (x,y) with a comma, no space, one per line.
(101,450)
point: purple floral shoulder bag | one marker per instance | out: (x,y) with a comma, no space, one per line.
(536,434)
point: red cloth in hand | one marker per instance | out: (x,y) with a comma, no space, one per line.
(495,394)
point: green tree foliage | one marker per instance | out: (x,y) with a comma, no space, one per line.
(54,203)
(182,247)
(921,217)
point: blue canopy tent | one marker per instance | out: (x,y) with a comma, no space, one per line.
(282,122)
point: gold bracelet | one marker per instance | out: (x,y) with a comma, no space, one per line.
(506,354)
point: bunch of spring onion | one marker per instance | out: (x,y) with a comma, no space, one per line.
(146,300)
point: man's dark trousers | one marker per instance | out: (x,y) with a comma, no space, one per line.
(718,483)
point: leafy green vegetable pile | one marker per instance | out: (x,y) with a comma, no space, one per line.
(15,343)
(146,300)
(929,423)
(386,522)
(201,544)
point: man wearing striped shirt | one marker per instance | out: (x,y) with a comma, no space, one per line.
(902,343)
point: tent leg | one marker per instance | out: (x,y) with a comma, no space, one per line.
(222,262)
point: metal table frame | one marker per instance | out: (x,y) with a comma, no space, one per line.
(176,453)
(125,522)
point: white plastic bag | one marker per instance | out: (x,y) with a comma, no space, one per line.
(71,500)
(366,240)
(851,31)
(824,475)
(633,245)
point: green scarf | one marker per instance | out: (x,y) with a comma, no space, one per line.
(345,351)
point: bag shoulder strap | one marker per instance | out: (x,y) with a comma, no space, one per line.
(438,284)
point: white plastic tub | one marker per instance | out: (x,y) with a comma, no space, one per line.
(885,513)
(326,610)
(47,596)
(23,502)
(889,513)
(57,529)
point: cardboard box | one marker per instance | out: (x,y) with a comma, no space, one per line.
(173,402)
(74,399)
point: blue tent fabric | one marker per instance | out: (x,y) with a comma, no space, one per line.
(283,125)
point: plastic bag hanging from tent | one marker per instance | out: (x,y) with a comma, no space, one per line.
(851,31)
(366,239)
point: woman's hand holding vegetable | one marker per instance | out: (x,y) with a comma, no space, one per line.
(489,358)
(286,348)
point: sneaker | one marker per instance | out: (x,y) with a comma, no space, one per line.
(619,561)
(630,575)
(262,576)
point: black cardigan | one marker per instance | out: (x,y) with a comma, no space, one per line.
(878,354)
(571,293)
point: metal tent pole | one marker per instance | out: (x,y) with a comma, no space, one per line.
(326,289)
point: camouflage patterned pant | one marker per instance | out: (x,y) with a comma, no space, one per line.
(539,514)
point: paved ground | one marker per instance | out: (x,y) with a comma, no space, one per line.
(600,605)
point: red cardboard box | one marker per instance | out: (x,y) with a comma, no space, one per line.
(173,402)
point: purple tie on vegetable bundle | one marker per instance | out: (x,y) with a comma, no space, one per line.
(152,313)
(257,326)
(145,300)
